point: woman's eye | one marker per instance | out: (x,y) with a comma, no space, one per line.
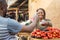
(41,12)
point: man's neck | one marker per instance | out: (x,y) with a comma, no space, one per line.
(1,14)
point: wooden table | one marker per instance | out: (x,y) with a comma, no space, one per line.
(29,38)
(23,34)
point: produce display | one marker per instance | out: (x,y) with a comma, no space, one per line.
(49,33)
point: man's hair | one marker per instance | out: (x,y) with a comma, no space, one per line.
(3,6)
(2,3)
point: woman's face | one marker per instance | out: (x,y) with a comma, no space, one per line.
(40,14)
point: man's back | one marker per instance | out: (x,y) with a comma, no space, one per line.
(5,29)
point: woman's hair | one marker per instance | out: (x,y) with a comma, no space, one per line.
(43,11)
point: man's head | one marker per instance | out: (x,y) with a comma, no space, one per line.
(3,7)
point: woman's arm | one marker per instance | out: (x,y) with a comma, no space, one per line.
(49,23)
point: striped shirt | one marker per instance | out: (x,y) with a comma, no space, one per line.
(8,26)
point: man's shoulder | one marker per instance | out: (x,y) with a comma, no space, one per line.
(3,20)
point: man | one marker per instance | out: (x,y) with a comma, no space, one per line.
(10,27)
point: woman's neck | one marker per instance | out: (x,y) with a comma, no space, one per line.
(41,19)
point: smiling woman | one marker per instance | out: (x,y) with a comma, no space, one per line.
(52,10)
(43,23)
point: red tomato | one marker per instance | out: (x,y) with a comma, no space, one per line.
(59,36)
(50,35)
(39,33)
(45,37)
(37,30)
(43,34)
(38,36)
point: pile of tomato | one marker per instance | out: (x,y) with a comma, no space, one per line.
(49,33)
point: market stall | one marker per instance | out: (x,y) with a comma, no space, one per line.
(49,33)
(19,6)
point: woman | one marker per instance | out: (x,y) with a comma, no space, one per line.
(43,23)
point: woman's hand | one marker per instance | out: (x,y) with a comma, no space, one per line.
(36,18)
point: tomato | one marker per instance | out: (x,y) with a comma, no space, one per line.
(39,33)
(45,37)
(37,30)
(59,36)
(51,33)
(43,34)
(38,36)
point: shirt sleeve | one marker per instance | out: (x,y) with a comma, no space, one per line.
(14,26)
